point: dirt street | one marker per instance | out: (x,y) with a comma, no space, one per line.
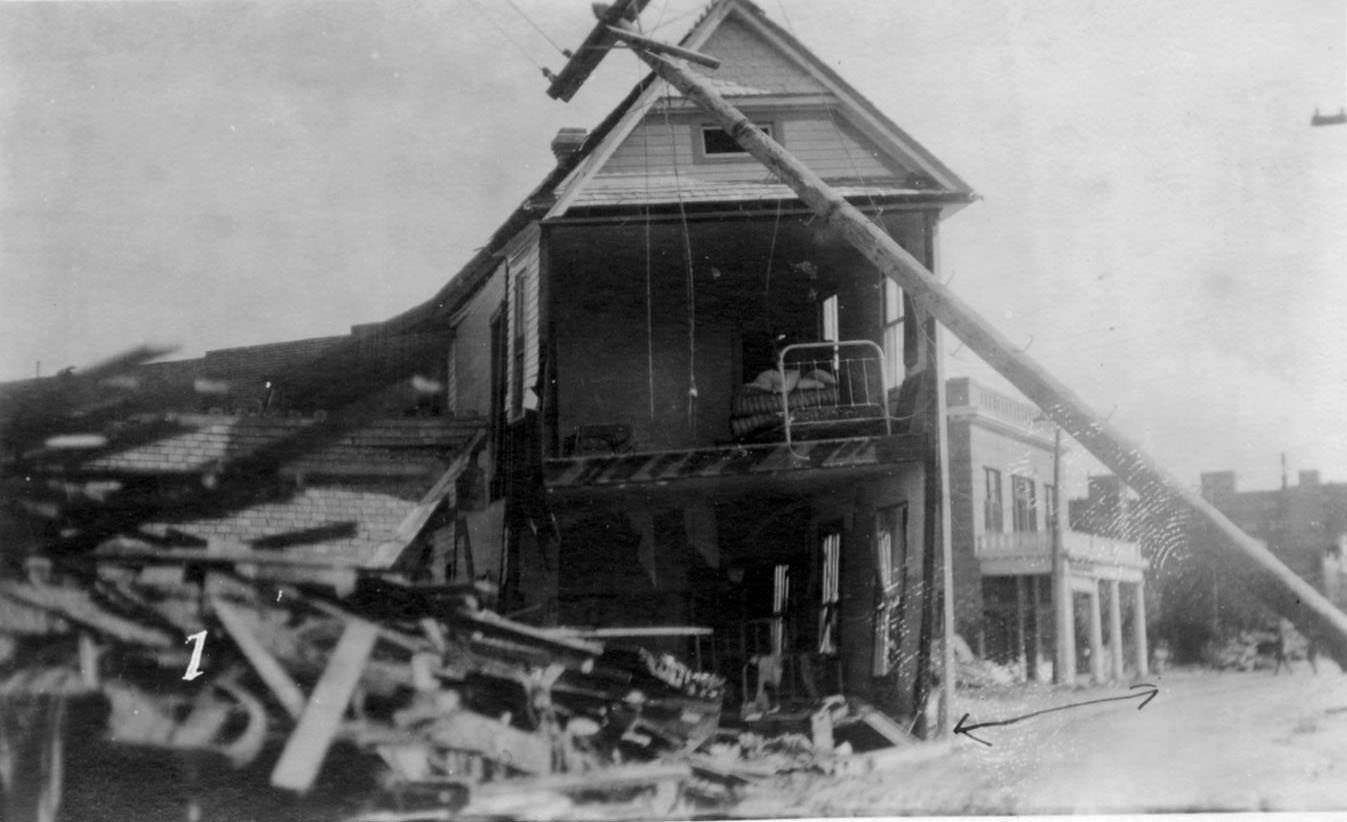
(1208,741)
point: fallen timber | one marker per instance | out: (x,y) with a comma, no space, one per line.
(454,709)
(1258,568)
(441,691)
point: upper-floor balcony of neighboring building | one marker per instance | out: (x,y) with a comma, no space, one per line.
(1031,551)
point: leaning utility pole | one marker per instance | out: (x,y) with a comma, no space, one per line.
(1265,575)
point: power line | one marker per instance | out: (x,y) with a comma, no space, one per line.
(538,28)
(506,34)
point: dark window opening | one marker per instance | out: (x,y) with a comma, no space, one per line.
(717,141)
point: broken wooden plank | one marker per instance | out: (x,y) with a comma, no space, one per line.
(307,746)
(271,672)
(880,723)
(633,632)
(528,752)
(79,606)
(388,553)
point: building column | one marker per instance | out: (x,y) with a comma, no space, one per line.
(1096,634)
(1064,601)
(1139,630)
(1115,627)
(1035,631)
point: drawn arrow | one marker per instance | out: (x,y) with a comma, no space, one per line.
(1147,695)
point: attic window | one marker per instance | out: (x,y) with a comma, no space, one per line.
(717,142)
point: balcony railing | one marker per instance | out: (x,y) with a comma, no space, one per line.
(1087,547)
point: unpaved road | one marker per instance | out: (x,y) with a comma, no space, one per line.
(1207,742)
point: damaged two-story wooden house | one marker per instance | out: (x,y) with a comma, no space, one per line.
(670,399)
(707,409)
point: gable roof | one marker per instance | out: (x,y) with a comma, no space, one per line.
(547,200)
(760,62)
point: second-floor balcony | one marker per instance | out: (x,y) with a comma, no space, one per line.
(1037,545)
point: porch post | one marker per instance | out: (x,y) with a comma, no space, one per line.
(1096,634)
(1020,638)
(1115,627)
(1139,630)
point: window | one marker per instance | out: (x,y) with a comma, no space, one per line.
(993,512)
(893,332)
(828,319)
(1049,504)
(891,556)
(1024,517)
(830,591)
(717,142)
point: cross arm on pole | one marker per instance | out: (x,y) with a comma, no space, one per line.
(591,52)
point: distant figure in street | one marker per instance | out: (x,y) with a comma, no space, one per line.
(1161,656)
(1284,630)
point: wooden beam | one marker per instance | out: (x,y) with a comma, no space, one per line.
(270,671)
(650,44)
(307,746)
(1280,587)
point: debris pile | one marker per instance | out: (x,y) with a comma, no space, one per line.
(973,672)
(461,709)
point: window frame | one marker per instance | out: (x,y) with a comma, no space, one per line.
(993,505)
(699,142)
(1024,504)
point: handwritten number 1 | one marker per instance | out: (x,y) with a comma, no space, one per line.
(194,666)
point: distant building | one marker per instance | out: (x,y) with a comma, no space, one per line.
(1001,498)
(1304,525)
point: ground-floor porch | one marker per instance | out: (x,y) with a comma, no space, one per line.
(794,573)
(1104,623)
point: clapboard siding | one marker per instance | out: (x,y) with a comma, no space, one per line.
(522,255)
(830,148)
(470,380)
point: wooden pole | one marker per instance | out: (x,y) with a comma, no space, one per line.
(648,44)
(1064,665)
(1267,576)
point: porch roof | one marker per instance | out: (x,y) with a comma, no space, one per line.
(753,461)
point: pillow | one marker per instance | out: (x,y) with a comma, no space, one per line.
(809,384)
(770,380)
(822,376)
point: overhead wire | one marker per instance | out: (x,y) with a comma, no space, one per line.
(691,281)
(649,296)
(506,34)
(538,28)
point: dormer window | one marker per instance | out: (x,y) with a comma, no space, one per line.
(717,142)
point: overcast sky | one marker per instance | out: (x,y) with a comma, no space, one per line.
(1159,223)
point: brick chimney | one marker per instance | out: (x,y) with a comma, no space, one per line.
(567,141)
